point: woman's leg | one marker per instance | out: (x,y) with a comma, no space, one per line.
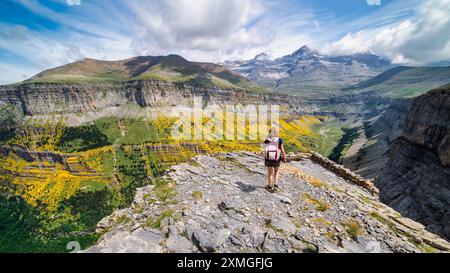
(270,175)
(276,174)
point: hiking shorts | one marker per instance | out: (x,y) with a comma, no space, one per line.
(272,163)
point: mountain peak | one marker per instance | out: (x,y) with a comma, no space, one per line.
(261,57)
(304,50)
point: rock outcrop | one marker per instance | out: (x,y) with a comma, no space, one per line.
(219,204)
(416,181)
(45,98)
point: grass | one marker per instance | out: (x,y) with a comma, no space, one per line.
(316,182)
(339,151)
(383,220)
(70,80)
(322,221)
(427,248)
(325,136)
(138,209)
(156,223)
(365,199)
(323,207)
(279,230)
(353,228)
(319,205)
(109,126)
(332,235)
(128,131)
(407,82)
(140,131)
(197,195)
(165,190)
(123,220)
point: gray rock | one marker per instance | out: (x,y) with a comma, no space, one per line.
(179,244)
(249,219)
(285,200)
(148,235)
(351,247)
(210,242)
(280,223)
(277,245)
(231,204)
(370,246)
(141,241)
(172,230)
(237,240)
(329,247)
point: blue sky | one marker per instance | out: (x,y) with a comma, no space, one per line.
(37,35)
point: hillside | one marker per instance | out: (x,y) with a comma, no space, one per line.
(219,204)
(405,82)
(172,68)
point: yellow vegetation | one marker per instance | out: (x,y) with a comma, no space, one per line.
(314,181)
(46,184)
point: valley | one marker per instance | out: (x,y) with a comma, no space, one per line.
(80,139)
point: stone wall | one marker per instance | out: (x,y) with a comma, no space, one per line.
(337,169)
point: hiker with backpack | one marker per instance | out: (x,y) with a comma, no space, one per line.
(274,153)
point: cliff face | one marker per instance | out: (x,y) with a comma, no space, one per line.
(380,132)
(416,181)
(42,98)
(219,204)
(428,123)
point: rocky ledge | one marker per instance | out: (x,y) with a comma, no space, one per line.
(219,204)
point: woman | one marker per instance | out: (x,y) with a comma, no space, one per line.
(274,152)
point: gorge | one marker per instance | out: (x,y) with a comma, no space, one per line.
(92,138)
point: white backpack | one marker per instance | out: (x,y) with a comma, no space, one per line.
(273,152)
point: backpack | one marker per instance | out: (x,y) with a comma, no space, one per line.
(273,152)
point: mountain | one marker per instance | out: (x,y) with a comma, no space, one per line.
(172,68)
(405,82)
(218,203)
(307,73)
(96,131)
(416,180)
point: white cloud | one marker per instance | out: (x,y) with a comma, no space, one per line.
(10,73)
(73,2)
(423,39)
(214,28)
(410,31)
(44,52)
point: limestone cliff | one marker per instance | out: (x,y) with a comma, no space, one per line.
(377,135)
(219,204)
(416,181)
(44,98)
